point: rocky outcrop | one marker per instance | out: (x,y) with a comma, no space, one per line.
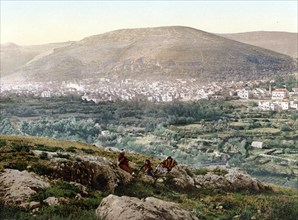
(235,179)
(180,178)
(114,207)
(53,201)
(16,186)
(95,171)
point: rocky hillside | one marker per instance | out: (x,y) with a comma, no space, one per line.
(281,42)
(44,178)
(164,52)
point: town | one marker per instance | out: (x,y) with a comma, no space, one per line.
(105,89)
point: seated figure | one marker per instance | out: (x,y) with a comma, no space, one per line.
(147,168)
(123,163)
(166,165)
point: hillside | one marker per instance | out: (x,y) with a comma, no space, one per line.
(45,178)
(14,57)
(281,42)
(164,52)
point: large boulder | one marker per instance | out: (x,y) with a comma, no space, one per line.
(235,179)
(121,208)
(95,171)
(16,187)
(180,178)
(239,179)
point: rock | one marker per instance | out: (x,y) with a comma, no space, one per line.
(34,205)
(78,196)
(180,178)
(95,171)
(146,178)
(35,210)
(239,179)
(53,201)
(235,179)
(114,207)
(82,188)
(18,186)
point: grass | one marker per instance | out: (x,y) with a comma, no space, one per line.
(272,131)
(239,124)
(189,127)
(205,204)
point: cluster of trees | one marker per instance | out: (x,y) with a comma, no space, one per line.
(67,128)
(75,119)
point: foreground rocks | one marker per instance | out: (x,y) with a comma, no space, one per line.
(235,179)
(16,187)
(114,207)
(92,171)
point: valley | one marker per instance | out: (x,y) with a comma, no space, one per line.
(200,133)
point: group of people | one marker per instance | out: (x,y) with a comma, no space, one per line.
(162,168)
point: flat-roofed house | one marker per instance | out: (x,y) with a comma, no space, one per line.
(257,144)
(280,94)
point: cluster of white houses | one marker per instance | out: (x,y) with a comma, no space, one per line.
(281,100)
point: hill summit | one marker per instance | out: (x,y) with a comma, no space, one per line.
(162,52)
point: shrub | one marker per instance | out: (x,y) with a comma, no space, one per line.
(88,151)
(201,171)
(46,148)
(65,212)
(67,156)
(60,189)
(43,156)
(71,149)
(20,147)
(284,208)
(219,172)
(18,165)
(42,169)
(12,212)
(247,213)
(136,189)
(2,143)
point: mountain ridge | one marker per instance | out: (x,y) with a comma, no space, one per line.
(278,41)
(160,52)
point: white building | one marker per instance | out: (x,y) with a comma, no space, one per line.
(244,94)
(265,105)
(284,105)
(257,144)
(295,90)
(280,94)
(45,94)
(294,104)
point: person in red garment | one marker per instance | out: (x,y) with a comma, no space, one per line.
(123,163)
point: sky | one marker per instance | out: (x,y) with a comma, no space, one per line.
(39,22)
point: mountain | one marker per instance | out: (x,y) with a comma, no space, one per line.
(14,56)
(281,42)
(163,52)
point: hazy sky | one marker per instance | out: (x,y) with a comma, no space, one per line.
(37,22)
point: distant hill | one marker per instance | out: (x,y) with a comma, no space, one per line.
(163,52)
(281,42)
(14,56)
